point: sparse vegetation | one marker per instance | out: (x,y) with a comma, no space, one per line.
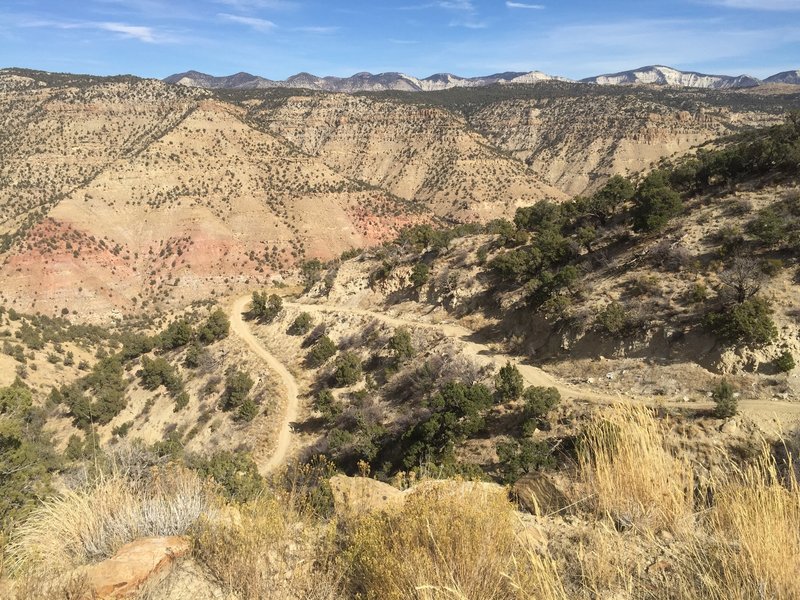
(724,397)
(301,325)
(348,370)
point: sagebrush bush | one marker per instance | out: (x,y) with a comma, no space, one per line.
(91,523)
(748,323)
(725,402)
(785,362)
(508,383)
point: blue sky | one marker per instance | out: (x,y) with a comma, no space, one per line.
(277,38)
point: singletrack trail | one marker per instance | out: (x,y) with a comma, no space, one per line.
(290,411)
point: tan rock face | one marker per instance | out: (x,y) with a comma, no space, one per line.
(537,493)
(133,565)
(360,495)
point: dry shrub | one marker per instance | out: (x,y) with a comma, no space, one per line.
(92,523)
(450,540)
(41,587)
(630,474)
(267,549)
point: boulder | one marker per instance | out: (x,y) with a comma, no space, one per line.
(360,495)
(137,563)
(538,494)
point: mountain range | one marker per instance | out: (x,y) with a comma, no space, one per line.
(360,82)
(368,82)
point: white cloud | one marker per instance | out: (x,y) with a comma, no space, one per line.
(455,5)
(317,29)
(465,9)
(260,4)
(523,5)
(760,4)
(148,35)
(137,32)
(469,24)
(253,22)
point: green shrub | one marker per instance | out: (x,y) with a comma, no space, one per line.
(613,320)
(176,335)
(265,308)
(538,402)
(326,404)
(248,410)
(508,383)
(400,344)
(616,192)
(301,325)
(348,370)
(134,345)
(237,386)
(181,401)
(120,430)
(698,293)
(235,472)
(519,457)
(157,372)
(217,327)
(655,203)
(724,397)
(323,349)
(785,362)
(27,459)
(420,274)
(195,357)
(311,272)
(748,323)
(456,414)
(107,384)
(768,227)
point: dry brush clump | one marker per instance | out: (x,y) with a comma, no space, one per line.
(739,539)
(450,540)
(269,549)
(90,524)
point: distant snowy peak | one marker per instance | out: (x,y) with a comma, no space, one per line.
(660,75)
(360,82)
(382,82)
(792,77)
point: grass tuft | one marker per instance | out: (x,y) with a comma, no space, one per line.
(630,474)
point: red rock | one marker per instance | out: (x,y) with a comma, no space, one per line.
(133,565)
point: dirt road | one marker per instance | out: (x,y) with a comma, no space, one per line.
(767,412)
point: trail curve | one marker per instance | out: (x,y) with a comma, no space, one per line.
(291,406)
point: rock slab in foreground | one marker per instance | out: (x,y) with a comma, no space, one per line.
(133,565)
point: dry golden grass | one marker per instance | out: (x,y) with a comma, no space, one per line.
(454,540)
(630,474)
(753,544)
(266,550)
(77,527)
(450,541)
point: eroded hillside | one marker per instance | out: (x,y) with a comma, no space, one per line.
(121,194)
